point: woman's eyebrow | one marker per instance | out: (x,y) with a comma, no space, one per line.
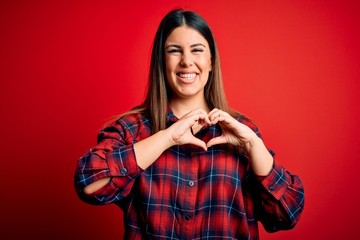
(192,46)
(173,45)
(197,45)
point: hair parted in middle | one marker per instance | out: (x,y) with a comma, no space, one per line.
(158,92)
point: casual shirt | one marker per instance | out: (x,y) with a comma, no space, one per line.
(187,193)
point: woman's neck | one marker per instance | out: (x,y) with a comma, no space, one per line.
(181,107)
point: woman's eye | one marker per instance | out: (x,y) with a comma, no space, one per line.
(198,50)
(174,51)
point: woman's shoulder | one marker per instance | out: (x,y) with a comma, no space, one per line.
(126,126)
(131,119)
(134,116)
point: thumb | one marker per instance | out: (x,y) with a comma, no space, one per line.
(197,142)
(216,140)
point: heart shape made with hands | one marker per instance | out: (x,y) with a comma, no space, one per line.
(233,132)
(225,137)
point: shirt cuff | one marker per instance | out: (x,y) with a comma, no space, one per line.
(277,182)
(122,162)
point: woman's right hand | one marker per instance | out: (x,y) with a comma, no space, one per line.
(181,131)
(149,149)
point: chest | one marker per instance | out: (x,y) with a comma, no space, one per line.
(184,175)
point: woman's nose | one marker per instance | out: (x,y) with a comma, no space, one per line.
(186,59)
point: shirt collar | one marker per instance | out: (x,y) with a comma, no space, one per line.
(170,117)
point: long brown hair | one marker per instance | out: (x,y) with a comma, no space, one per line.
(158,92)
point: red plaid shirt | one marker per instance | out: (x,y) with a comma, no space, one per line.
(187,193)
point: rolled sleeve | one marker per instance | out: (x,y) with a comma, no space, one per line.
(123,170)
(281,199)
(277,182)
(113,157)
(122,162)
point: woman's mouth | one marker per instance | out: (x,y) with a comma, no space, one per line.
(187,77)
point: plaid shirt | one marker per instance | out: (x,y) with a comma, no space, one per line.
(187,193)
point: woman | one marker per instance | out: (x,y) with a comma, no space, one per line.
(183,165)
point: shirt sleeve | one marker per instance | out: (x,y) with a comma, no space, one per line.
(280,199)
(113,157)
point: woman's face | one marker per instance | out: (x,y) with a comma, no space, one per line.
(187,62)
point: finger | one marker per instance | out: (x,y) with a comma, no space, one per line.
(204,118)
(194,112)
(200,117)
(198,111)
(216,141)
(212,111)
(197,142)
(190,120)
(225,121)
(221,116)
(217,114)
(218,119)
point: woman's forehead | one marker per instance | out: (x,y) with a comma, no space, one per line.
(185,35)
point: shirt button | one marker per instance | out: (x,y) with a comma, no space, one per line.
(123,171)
(271,188)
(191,183)
(187,218)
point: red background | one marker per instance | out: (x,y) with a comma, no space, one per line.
(66,68)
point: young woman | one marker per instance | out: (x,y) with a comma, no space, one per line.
(183,165)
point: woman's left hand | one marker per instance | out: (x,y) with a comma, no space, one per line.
(240,135)
(233,132)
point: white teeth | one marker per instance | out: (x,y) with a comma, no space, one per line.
(188,75)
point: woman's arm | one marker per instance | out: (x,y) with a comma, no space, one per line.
(112,173)
(106,172)
(242,136)
(149,149)
(279,195)
(279,198)
(146,152)
(260,159)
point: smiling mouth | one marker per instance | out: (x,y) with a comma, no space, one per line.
(187,76)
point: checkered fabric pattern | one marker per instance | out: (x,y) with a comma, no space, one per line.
(187,193)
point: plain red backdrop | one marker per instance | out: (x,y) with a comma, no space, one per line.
(67,67)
